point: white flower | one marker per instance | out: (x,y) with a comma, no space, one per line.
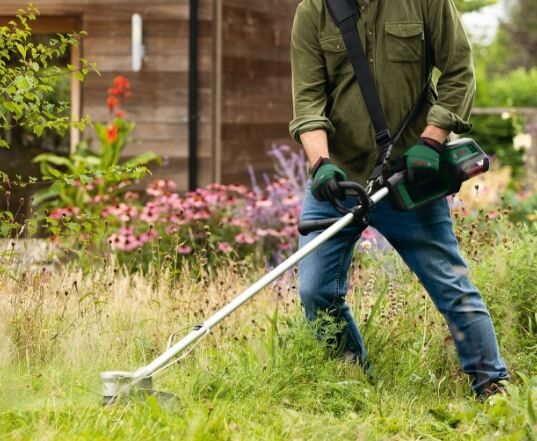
(366,245)
(522,141)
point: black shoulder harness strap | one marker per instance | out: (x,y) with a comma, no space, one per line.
(345,14)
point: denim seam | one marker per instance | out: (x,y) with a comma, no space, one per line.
(340,265)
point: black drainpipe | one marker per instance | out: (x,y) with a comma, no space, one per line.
(193,98)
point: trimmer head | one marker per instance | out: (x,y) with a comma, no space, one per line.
(120,384)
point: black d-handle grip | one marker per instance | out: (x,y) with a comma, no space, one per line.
(353,189)
(307,227)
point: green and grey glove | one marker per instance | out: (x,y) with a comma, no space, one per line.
(325,176)
(423,160)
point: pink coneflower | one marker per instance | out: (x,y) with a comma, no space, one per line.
(59,213)
(239,222)
(201,215)
(172,229)
(288,218)
(147,236)
(291,200)
(185,250)
(124,240)
(274,232)
(149,215)
(100,198)
(263,203)
(245,238)
(126,212)
(241,189)
(225,247)
(160,187)
(131,196)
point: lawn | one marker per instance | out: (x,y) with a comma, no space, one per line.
(262,374)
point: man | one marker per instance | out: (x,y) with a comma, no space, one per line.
(331,121)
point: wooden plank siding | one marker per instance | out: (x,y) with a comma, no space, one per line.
(159,102)
(256,83)
(244,77)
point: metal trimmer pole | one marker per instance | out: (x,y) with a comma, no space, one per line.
(117,383)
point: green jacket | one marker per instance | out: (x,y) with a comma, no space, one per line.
(393,32)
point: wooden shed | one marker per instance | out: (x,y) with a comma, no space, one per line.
(231,57)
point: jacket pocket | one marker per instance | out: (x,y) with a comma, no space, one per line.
(404,41)
(335,55)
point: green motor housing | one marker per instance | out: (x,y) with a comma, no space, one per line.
(460,161)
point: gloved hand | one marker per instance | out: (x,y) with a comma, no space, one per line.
(325,176)
(423,160)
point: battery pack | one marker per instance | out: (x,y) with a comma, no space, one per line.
(460,161)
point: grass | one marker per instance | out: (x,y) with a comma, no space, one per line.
(262,374)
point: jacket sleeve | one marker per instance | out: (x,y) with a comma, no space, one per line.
(453,57)
(308,77)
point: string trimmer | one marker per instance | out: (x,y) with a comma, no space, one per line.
(459,162)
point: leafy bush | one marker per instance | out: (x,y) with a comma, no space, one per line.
(499,89)
(88,177)
(27,77)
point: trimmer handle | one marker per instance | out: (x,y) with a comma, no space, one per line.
(307,227)
(353,189)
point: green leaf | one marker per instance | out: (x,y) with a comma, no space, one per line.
(531,410)
(54,159)
(85,179)
(38,130)
(5,229)
(11,107)
(73,226)
(22,83)
(21,49)
(143,159)
(3,144)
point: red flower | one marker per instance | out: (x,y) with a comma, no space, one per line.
(121,87)
(112,102)
(120,114)
(121,82)
(111,133)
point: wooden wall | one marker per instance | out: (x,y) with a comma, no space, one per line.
(159,103)
(256,103)
(245,84)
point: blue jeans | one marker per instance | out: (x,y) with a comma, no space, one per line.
(425,240)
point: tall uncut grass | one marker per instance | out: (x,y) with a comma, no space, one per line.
(262,374)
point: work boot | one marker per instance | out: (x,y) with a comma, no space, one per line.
(351,357)
(489,390)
